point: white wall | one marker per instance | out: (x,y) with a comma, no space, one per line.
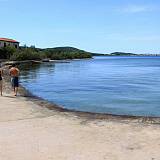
(8,44)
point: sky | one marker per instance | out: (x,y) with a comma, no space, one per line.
(100,26)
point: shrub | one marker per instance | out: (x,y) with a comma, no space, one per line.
(32,53)
(7,52)
(25,54)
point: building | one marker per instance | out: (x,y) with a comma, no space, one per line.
(8,42)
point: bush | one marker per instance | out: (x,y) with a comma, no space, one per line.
(7,52)
(25,54)
(66,53)
(32,53)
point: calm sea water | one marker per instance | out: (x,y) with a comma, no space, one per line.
(117,85)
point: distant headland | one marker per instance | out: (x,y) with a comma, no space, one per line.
(123,54)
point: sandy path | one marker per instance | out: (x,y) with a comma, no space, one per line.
(31,132)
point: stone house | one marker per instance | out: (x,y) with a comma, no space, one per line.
(8,42)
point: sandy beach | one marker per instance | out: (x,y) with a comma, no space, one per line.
(29,130)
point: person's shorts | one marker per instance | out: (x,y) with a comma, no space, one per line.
(15,81)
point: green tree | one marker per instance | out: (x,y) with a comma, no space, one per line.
(7,52)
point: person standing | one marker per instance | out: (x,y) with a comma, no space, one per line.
(14,73)
(1,83)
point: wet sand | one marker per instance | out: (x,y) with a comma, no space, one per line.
(33,129)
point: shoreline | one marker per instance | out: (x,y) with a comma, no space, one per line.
(8,62)
(89,115)
(32,128)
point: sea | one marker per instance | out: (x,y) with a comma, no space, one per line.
(120,85)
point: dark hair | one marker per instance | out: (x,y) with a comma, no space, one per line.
(13,65)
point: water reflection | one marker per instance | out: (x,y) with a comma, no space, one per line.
(119,85)
(31,71)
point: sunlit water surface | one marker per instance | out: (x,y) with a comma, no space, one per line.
(117,85)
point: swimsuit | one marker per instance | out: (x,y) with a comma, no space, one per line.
(15,81)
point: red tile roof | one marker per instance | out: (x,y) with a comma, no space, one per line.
(8,40)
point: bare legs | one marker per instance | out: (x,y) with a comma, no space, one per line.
(15,85)
(15,91)
(1,88)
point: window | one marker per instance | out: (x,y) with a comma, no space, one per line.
(16,46)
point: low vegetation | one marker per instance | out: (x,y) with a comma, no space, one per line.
(32,53)
(115,54)
(122,54)
(58,53)
(7,52)
(65,53)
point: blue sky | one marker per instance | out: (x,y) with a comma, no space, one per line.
(101,26)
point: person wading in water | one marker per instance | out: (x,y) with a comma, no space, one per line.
(14,73)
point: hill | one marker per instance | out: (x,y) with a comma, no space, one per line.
(114,54)
(122,54)
(66,53)
(33,53)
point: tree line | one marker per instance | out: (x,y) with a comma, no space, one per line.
(33,53)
